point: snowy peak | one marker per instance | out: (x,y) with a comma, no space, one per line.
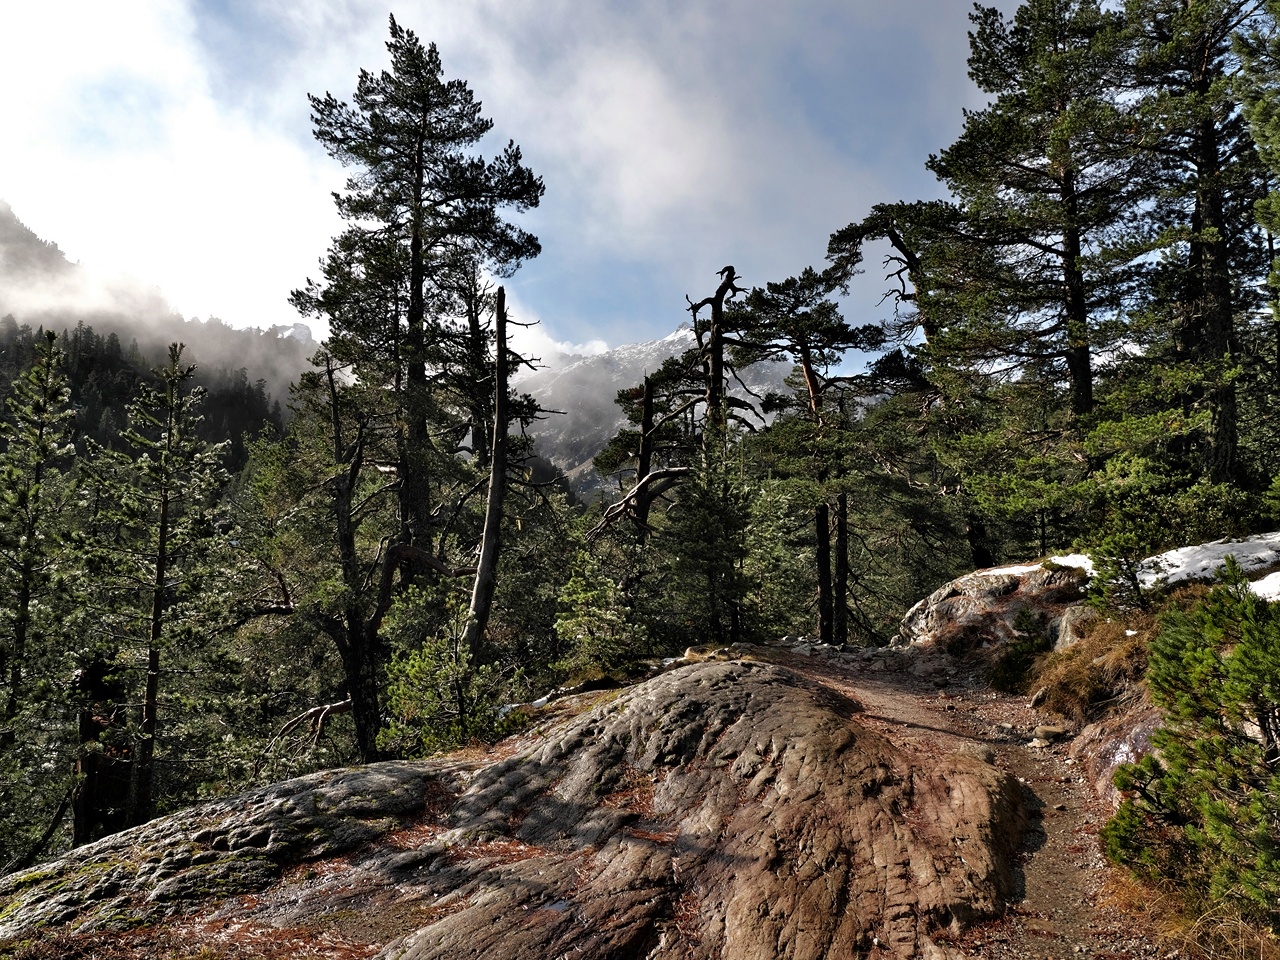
(582,390)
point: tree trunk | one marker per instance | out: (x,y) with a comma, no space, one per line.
(822,526)
(1079,352)
(101,795)
(644,463)
(480,408)
(840,585)
(143,774)
(714,432)
(363,687)
(486,581)
(415,496)
(1215,340)
(979,546)
(355,633)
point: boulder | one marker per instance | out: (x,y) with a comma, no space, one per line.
(994,607)
(1121,737)
(1072,626)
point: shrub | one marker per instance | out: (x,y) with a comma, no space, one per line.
(1203,810)
(1011,671)
(594,625)
(438,697)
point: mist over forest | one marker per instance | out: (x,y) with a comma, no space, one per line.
(41,289)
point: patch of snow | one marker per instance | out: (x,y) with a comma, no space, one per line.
(1204,560)
(1017,570)
(1200,562)
(1268,588)
(1074,560)
(1021,569)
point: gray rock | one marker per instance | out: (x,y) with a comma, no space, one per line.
(1049,731)
(1073,625)
(987,609)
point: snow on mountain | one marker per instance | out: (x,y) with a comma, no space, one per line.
(582,389)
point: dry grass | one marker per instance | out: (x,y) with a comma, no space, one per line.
(1081,682)
(1084,681)
(1218,934)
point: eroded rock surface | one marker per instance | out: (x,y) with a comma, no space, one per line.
(725,809)
(1122,737)
(993,607)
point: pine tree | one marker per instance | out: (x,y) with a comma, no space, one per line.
(37,737)
(1046,178)
(1202,807)
(797,319)
(423,211)
(1208,178)
(151,522)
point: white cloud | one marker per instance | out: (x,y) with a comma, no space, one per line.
(531,338)
(126,160)
(169,138)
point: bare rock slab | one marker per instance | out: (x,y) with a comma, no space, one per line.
(724,809)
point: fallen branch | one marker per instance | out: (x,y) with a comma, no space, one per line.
(317,717)
(660,480)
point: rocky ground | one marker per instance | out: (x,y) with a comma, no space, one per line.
(1063,907)
(777,805)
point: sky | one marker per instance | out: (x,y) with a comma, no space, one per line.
(170,140)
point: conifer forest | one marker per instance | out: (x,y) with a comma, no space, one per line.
(204,586)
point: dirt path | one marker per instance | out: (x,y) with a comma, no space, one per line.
(1064,911)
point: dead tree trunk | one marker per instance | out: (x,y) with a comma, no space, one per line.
(644,462)
(713,434)
(487,569)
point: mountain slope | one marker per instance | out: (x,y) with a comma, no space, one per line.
(39,287)
(581,391)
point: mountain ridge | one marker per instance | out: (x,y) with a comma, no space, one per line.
(580,398)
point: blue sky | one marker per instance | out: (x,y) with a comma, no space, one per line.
(170,139)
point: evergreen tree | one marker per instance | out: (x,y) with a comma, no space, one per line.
(37,741)
(1259,86)
(422,208)
(1202,806)
(1208,178)
(798,320)
(151,522)
(1047,177)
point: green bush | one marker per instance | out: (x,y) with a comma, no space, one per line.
(594,624)
(439,698)
(1203,808)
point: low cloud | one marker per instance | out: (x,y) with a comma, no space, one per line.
(170,138)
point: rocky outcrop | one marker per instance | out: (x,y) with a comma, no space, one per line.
(993,607)
(1119,738)
(724,809)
